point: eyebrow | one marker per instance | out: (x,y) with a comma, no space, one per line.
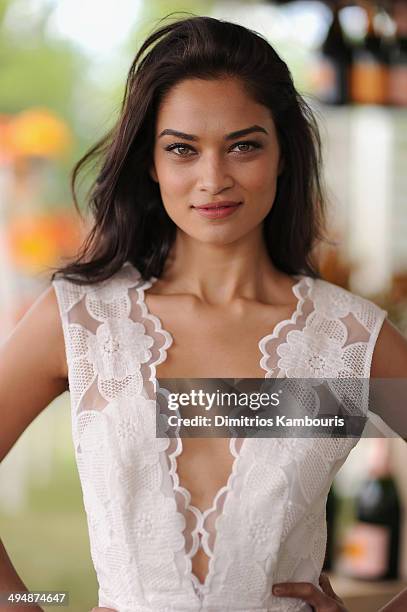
(231,136)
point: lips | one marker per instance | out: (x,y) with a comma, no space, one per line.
(217,211)
(213,205)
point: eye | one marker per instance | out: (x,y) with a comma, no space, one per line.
(178,145)
(248,143)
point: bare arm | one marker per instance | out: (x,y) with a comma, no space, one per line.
(33,372)
(389,358)
(390,361)
(397,604)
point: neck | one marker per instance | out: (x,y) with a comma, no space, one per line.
(222,273)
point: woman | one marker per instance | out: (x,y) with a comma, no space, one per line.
(207,206)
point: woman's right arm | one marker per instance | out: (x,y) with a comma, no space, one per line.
(33,372)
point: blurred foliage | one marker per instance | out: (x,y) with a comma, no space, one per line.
(47,539)
(167,10)
(51,552)
(37,69)
(49,545)
(153,15)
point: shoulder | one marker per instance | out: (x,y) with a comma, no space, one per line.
(337,303)
(389,346)
(40,327)
(75,306)
(390,353)
(69,293)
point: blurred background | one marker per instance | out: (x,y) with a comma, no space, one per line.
(63,68)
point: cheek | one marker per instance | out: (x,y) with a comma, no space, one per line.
(262,177)
(175,191)
(173,180)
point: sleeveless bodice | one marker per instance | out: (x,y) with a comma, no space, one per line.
(268,523)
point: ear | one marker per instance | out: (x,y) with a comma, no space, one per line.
(152,172)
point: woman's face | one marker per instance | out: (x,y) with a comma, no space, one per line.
(206,162)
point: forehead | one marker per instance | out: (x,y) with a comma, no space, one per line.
(210,104)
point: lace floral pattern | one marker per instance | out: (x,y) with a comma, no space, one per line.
(332,302)
(154,522)
(143,529)
(320,356)
(112,349)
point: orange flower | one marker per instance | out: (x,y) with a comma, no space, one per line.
(38,132)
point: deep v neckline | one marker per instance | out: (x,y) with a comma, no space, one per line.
(201,515)
(160,329)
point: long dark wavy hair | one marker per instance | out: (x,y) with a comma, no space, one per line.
(129,219)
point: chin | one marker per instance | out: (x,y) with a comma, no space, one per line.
(219,237)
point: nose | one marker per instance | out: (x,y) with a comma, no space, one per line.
(213,174)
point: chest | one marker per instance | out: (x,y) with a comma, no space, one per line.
(211,342)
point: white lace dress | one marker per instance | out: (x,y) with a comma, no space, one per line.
(268,523)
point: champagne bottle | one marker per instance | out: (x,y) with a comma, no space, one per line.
(369,73)
(372,545)
(334,63)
